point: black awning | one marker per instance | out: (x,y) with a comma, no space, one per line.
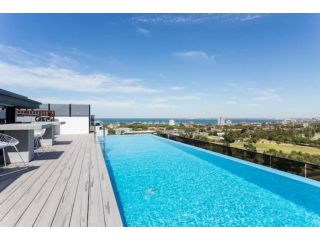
(10,99)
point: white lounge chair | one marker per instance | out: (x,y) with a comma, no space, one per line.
(8,141)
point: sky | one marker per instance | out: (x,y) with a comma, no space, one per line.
(166,65)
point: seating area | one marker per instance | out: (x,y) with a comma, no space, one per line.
(19,138)
(67,186)
(48,179)
(7,142)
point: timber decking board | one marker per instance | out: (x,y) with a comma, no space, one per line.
(29,197)
(68,186)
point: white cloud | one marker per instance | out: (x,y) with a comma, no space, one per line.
(254,104)
(144,31)
(192,55)
(66,80)
(185,98)
(231,84)
(176,88)
(19,68)
(22,57)
(194,18)
(265,95)
(249,17)
(159,106)
(167,102)
(166,99)
(96,102)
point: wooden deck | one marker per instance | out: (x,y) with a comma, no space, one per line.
(68,185)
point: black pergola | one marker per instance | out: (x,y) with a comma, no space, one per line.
(11,101)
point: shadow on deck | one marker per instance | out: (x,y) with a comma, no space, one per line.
(12,174)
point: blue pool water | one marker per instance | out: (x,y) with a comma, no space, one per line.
(159,182)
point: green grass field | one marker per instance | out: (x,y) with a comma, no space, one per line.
(286,148)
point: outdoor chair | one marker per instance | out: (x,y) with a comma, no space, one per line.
(8,141)
(38,136)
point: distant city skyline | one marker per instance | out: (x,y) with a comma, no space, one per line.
(166,65)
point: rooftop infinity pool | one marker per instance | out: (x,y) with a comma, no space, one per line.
(159,182)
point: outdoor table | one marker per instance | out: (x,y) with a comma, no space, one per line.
(56,127)
(24,132)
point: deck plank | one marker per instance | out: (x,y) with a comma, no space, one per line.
(79,216)
(68,187)
(111,211)
(25,189)
(7,190)
(64,211)
(30,215)
(95,211)
(48,212)
(25,200)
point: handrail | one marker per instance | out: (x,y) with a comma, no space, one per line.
(38,113)
(297,167)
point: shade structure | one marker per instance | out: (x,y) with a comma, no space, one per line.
(10,99)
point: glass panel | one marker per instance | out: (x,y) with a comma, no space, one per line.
(313,171)
(43,106)
(79,110)
(284,164)
(287,165)
(61,110)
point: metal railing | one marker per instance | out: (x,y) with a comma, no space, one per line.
(304,169)
(68,110)
(39,114)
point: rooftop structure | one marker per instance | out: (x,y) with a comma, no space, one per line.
(10,99)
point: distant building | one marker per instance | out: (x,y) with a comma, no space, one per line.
(229,122)
(120,131)
(172,122)
(220,134)
(289,121)
(113,125)
(188,124)
(221,121)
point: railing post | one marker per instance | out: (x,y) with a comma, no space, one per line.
(269,160)
(305,170)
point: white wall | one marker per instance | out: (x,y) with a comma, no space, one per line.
(73,125)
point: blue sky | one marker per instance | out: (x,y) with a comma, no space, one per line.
(166,65)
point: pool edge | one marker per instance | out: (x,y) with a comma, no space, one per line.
(261,167)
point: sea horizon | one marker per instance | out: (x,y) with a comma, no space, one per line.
(186,120)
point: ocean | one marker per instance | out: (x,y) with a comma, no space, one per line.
(184,120)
